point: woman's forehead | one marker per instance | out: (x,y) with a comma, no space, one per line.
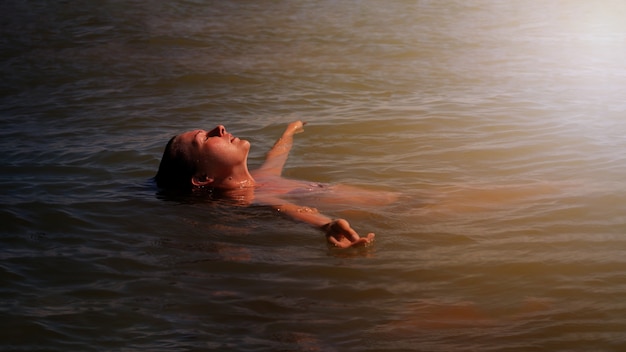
(189,134)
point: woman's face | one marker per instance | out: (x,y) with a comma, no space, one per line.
(215,149)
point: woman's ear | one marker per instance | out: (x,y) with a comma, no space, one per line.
(201,180)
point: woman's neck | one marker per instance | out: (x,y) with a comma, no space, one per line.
(239,188)
(235,180)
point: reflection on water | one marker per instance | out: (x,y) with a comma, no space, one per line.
(499,124)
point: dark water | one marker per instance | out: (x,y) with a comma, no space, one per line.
(501,123)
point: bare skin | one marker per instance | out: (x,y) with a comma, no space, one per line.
(221,163)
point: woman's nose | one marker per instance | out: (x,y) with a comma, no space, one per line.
(218,131)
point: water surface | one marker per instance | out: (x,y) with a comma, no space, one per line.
(501,124)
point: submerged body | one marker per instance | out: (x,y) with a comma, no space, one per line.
(217,160)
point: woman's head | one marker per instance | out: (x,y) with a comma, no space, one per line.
(203,158)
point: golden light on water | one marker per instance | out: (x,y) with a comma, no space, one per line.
(501,123)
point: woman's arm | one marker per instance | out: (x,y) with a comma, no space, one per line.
(338,231)
(277,156)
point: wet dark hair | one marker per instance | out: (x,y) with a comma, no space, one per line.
(176,169)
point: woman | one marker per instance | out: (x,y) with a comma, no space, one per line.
(217,160)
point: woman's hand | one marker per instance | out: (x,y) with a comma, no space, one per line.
(294,127)
(340,234)
(277,156)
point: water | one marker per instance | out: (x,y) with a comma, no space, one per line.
(502,124)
